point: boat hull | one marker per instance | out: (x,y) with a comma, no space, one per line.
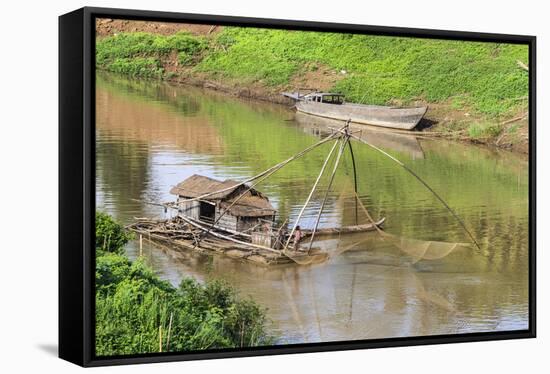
(374,115)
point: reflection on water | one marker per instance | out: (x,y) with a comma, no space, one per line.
(150,136)
(383,138)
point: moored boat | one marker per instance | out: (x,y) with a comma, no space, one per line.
(333,105)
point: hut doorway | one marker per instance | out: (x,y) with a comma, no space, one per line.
(207,211)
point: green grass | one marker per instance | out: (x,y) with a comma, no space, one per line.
(137,67)
(378,69)
(141,54)
(484,130)
(136,312)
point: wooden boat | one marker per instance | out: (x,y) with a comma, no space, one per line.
(332,105)
(344,229)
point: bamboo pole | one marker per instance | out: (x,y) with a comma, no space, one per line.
(354,178)
(336,163)
(140,245)
(169,332)
(311,193)
(256,182)
(293,158)
(350,317)
(382,233)
(410,171)
(160,338)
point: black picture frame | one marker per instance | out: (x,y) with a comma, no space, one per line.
(77,186)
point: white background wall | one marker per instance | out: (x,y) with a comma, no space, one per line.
(28,172)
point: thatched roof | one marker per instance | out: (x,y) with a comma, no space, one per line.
(252,204)
(198,185)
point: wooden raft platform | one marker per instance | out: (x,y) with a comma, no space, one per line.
(179,235)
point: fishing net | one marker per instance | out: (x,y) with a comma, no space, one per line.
(306,257)
(415,248)
(423,249)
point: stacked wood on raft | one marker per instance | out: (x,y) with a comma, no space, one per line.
(181,233)
(177,232)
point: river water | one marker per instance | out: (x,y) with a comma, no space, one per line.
(152,135)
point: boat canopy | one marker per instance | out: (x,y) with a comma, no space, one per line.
(321,97)
(325,97)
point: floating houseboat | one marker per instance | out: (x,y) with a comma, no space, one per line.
(234,219)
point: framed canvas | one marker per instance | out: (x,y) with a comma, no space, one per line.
(236,186)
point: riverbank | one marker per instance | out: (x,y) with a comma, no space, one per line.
(138,313)
(475,91)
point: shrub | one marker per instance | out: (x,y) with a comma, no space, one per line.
(110,236)
(184,58)
(139,54)
(184,42)
(137,67)
(137,312)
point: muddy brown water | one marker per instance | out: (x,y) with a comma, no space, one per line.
(152,135)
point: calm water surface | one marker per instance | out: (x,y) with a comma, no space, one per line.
(151,135)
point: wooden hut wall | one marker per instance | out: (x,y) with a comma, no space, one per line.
(227,220)
(190,209)
(262,238)
(245,223)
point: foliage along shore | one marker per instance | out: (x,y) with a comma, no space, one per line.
(138,313)
(475,91)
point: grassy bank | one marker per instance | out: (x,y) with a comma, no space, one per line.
(471,87)
(136,312)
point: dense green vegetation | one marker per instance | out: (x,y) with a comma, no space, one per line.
(136,312)
(483,77)
(109,235)
(378,68)
(140,54)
